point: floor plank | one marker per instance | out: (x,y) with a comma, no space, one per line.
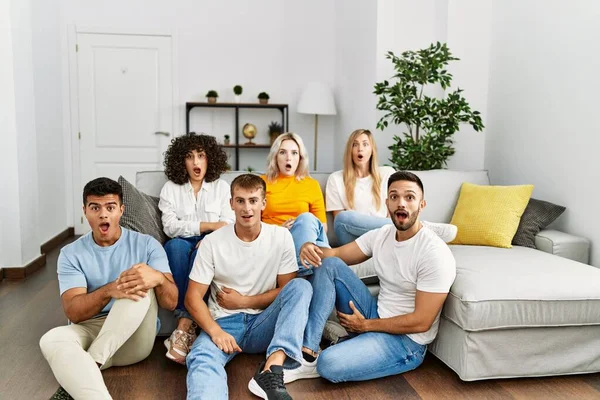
(31,307)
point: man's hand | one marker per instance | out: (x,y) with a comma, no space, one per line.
(353,322)
(198,244)
(310,255)
(230,299)
(288,224)
(139,277)
(225,342)
(117,293)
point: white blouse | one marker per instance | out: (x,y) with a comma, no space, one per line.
(335,193)
(182,212)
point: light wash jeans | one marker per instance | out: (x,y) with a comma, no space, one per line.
(307,228)
(279,327)
(181,253)
(365,356)
(350,225)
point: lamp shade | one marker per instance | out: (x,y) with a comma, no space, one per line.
(316,98)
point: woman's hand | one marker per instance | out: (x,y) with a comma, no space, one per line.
(288,224)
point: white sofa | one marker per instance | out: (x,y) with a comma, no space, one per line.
(511,312)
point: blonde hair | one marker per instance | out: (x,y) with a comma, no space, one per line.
(350,174)
(273,168)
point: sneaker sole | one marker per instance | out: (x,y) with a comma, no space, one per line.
(256,390)
(298,377)
(180,361)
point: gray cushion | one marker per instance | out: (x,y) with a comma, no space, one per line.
(520,287)
(537,216)
(141,212)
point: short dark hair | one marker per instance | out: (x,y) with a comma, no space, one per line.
(102,187)
(405,176)
(181,146)
(249,182)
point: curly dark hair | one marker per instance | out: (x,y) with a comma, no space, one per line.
(180,146)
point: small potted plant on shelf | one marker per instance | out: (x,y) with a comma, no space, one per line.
(275,129)
(226,141)
(263,98)
(211,96)
(237,91)
(250,169)
(227,167)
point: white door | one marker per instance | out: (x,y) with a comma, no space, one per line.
(125,106)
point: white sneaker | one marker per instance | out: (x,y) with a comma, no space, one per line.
(447,232)
(306,370)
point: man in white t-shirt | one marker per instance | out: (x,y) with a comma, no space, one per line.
(255,303)
(389,334)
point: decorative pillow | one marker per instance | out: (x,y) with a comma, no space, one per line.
(141,212)
(489,215)
(537,216)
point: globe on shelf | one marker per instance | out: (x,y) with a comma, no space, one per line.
(249,131)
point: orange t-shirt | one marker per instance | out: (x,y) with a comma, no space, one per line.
(287,198)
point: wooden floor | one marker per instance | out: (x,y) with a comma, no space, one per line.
(31,307)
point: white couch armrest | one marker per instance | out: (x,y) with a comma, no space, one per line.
(564,245)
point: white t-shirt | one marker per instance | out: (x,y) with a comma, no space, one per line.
(251,268)
(182,212)
(335,192)
(423,262)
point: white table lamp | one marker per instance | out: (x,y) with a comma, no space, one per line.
(317,99)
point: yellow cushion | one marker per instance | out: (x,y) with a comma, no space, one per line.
(489,215)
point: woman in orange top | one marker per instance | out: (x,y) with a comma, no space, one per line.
(294,199)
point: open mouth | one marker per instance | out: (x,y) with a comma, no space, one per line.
(197,170)
(288,167)
(104,227)
(401,215)
(247,217)
(360,157)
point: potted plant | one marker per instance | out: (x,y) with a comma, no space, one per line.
(275,129)
(250,169)
(237,91)
(211,96)
(226,141)
(227,167)
(263,98)
(430,121)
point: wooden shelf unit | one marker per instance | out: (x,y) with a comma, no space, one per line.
(283,108)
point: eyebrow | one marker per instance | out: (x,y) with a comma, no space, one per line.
(106,204)
(405,192)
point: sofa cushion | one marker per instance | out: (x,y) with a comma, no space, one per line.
(537,216)
(489,215)
(141,212)
(520,287)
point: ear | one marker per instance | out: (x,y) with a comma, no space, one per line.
(122,208)
(231,203)
(264,204)
(423,204)
(387,203)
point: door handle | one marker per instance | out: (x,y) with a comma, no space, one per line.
(162,133)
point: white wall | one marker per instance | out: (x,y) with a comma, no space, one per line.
(47,79)
(355,70)
(265,45)
(10,227)
(543,102)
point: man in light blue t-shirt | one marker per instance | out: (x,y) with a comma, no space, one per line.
(110,281)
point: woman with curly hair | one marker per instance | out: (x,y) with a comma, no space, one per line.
(194,202)
(356,195)
(294,199)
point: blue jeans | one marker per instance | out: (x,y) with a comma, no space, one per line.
(365,356)
(350,225)
(279,327)
(307,228)
(181,253)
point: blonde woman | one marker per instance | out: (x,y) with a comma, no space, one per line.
(294,199)
(356,195)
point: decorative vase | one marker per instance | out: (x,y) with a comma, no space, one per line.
(211,100)
(226,142)
(273,136)
(263,101)
(237,99)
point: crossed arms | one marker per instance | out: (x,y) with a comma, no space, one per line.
(427,304)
